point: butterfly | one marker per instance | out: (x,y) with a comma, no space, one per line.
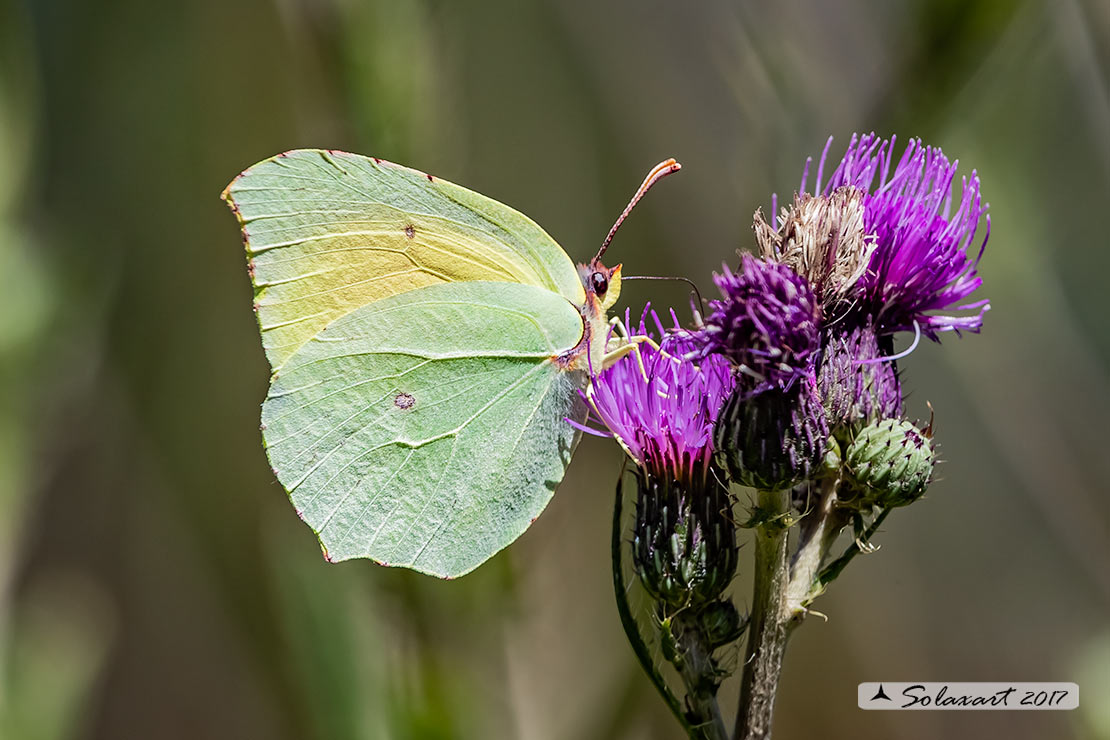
(427,344)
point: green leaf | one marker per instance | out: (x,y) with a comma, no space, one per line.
(427,429)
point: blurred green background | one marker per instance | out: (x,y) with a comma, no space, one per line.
(154,582)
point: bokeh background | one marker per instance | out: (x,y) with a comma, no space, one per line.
(154,582)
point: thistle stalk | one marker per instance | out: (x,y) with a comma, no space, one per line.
(699,674)
(767,631)
(819,530)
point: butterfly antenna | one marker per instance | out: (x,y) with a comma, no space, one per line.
(658,172)
(688,281)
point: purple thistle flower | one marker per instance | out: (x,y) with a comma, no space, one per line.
(774,438)
(857,382)
(766,323)
(921,263)
(663,411)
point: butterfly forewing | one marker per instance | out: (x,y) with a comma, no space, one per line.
(329,232)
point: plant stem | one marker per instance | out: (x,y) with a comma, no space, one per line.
(819,529)
(829,574)
(767,631)
(699,674)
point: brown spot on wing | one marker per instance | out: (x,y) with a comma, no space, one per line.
(410,231)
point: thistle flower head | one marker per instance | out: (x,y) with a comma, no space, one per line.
(857,381)
(773,438)
(766,322)
(661,404)
(820,237)
(925,257)
(684,543)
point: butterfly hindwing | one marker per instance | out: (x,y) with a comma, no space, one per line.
(328,232)
(427,429)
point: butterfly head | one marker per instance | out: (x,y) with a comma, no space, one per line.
(602,284)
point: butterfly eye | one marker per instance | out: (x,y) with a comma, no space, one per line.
(599,283)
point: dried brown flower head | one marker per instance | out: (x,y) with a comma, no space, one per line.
(821,237)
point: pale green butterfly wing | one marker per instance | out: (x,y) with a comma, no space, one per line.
(328,232)
(427,429)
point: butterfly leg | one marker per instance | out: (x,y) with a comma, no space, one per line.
(630,344)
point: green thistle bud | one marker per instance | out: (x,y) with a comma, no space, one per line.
(720,623)
(890,463)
